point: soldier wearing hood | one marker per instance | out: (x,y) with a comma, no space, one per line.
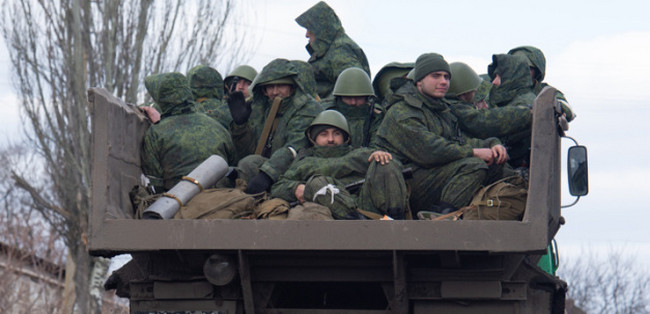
(322,171)
(537,65)
(183,138)
(448,166)
(512,87)
(330,48)
(207,88)
(294,88)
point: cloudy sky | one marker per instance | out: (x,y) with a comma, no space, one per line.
(597,52)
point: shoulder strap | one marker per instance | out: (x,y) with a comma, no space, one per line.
(268,124)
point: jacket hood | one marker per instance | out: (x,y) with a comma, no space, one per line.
(515,78)
(170,91)
(535,58)
(299,71)
(324,23)
(205,82)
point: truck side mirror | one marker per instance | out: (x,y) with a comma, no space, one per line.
(578,173)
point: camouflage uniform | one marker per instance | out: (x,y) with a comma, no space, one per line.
(332,51)
(538,61)
(295,114)
(423,134)
(363,120)
(383,191)
(207,89)
(183,138)
(381,82)
(515,91)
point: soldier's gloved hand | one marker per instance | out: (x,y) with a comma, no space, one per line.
(260,182)
(240,110)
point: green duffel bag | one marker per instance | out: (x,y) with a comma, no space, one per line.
(504,199)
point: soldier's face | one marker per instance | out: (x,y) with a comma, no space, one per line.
(278,90)
(242,86)
(329,137)
(355,101)
(311,36)
(435,84)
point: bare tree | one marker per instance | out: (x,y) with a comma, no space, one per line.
(610,284)
(60,48)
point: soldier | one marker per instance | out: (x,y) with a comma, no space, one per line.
(537,65)
(330,48)
(355,99)
(206,84)
(322,172)
(239,80)
(421,132)
(272,126)
(183,138)
(476,119)
(513,88)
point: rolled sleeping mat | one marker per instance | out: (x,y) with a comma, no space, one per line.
(205,175)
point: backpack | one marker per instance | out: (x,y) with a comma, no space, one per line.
(219,203)
(504,199)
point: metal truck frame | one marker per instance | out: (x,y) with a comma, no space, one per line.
(365,266)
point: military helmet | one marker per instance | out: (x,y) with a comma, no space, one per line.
(328,118)
(353,82)
(243,71)
(535,58)
(463,79)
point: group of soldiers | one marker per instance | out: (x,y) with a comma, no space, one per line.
(421,136)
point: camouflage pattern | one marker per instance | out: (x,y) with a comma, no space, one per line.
(295,114)
(537,60)
(362,120)
(440,154)
(483,90)
(207,89)
(516,83)
(183,138)
(494,122)
(381,82)
(333,50)
(384,188)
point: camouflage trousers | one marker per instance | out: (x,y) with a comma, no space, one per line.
(454,183)
(383,192)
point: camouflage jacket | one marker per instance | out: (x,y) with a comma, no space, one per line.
(207,86)
(363,120)
(493,122)
(343,163)
(333,51)
(421,130)
(295,114)
(183,138)
(516,84)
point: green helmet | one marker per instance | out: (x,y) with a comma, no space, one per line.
(381,83)
(463,79)
(353,82)
(535,58)
(243,71)
(328,118)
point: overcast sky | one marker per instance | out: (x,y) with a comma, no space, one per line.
(597,53)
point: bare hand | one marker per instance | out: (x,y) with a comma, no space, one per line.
(500,154)
(300,193)
(381,157)
(152,113)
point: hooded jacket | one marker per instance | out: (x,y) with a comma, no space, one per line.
(332,51)
(183,138)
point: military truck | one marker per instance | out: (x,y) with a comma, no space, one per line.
(362,266)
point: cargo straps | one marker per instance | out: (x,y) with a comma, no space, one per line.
(269,125)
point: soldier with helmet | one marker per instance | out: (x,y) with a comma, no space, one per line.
(269,130)
(354,97)
(537,65)
(239,80)
(321,173)
(331,50)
